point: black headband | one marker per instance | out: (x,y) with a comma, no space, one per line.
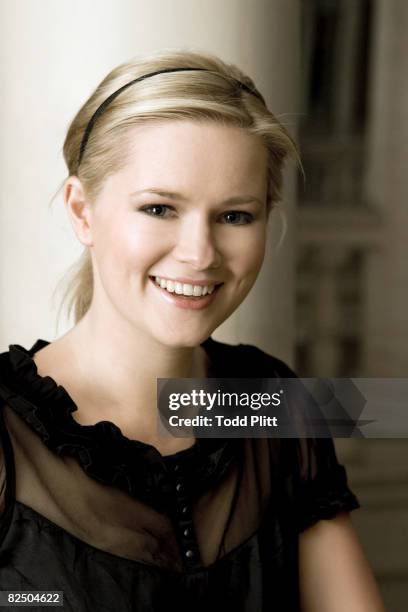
(113,95)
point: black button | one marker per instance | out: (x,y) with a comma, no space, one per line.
(186,532)
(184,510)
(179,487)
(189,553)
(176,467)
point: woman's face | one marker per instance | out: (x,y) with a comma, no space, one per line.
(189,232)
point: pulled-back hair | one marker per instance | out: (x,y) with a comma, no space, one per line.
(195,96)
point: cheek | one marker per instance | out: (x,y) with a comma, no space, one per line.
(127,248)
(249,258)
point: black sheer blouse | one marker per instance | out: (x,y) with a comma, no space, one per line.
(117,526)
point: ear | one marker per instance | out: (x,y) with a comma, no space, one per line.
(78,209)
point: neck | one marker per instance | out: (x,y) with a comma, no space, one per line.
(115,373)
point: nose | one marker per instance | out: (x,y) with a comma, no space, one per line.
(196,245)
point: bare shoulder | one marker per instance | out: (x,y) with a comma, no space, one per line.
(55,360)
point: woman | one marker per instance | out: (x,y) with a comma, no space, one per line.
(174,164)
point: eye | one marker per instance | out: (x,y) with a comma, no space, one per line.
(236,217)
(245,217)
(156,207)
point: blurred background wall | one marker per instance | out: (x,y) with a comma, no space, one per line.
(352,243)
(332,301)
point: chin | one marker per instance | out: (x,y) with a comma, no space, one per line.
(186,341)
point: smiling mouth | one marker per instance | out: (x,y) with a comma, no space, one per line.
(182,296)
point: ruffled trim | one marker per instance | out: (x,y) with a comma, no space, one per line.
(102,450)
(324,497)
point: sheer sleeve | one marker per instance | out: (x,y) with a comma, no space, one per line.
(7,480)
(2,478)
(314,482)
(319,482)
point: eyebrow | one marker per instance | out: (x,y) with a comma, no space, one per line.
(174,195)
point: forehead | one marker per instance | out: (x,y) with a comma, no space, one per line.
(195,152)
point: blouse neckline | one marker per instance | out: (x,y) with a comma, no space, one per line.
(101,449)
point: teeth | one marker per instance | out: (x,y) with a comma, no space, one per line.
(183,288)
(188,289)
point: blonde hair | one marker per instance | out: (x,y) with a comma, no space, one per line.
(198,96)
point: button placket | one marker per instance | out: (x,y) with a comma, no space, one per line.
(184,520)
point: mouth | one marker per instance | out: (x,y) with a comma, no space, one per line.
(175,288)
(194,302)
